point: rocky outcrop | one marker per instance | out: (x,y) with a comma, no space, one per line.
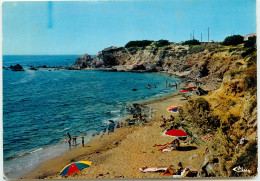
(81,63)
(136,59)
(17,67)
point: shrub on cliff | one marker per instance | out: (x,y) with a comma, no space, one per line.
(233,40)
(248,51)
(161,43)
(251,42)
(138,43)
(191,42)
(247,160)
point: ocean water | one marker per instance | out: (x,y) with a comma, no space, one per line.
(39,107)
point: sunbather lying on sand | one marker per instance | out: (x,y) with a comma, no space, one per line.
(171,171)
(146,169)
(174,145)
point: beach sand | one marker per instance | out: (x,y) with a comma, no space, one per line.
(121,153)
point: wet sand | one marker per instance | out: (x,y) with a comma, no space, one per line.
(121,153)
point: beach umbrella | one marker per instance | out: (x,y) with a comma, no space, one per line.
(175,133)
(74,167)
(184,90)
(174,108)
(191,87)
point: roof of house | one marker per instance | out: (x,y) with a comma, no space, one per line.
(251,34)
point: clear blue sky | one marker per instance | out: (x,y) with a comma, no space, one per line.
(88,27)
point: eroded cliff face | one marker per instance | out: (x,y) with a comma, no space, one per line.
(150,59)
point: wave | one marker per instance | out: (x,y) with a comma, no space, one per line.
(22,154)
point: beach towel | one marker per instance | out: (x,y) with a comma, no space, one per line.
(146,169)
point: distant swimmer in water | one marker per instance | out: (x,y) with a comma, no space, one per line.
(149,86)
(154,86)
(68,136)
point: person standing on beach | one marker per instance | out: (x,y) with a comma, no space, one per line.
(75,140)
(82,140)
(69,141)
(176,85)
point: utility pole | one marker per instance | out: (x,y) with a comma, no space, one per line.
(193,34)
(208,35)
(201,38)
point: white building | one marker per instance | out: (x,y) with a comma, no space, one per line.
(249,35)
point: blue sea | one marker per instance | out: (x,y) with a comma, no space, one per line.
(40,107)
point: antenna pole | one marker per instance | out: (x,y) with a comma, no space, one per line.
(208,34)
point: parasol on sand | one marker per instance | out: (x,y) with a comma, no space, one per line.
(74,167)
(176,133)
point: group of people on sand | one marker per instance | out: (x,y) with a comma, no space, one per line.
(149,86)
(164,120)
(74,139)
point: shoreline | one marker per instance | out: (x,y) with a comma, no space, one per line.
(147,99)
(98,146)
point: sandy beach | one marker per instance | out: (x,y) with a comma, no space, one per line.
(121,153)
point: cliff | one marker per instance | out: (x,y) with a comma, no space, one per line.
(201,62)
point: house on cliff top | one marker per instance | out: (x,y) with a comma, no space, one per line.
(249,35)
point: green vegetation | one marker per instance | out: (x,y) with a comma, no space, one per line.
(138,43)
(197,48)
(251,60)
(236,73)
(250,82)
(161,43)
(252,107)
(239,63)
(251,42)
(202,104)
(248,51)
(191,42)
(233,40)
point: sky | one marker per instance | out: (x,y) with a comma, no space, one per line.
(76,28)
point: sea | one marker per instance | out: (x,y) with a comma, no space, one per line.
(41,106)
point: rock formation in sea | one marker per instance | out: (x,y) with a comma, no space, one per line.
(81,63)
(17,67)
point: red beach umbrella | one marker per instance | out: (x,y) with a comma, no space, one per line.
(184,91)
(176,133)
(191,87)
